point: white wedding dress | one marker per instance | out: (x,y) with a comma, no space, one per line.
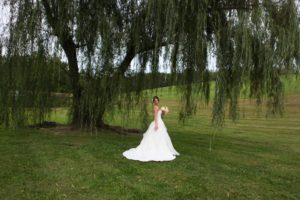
(155,145)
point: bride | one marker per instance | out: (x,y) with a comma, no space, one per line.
(156,144)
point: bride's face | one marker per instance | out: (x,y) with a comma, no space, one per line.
(155,101)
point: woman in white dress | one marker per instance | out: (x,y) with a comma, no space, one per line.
(156,144)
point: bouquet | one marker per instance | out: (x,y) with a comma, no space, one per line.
(164,109)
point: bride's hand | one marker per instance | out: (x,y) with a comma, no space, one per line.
(156,127)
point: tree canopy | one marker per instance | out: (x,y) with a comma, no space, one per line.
(253,40)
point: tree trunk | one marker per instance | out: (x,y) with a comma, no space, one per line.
(70,51)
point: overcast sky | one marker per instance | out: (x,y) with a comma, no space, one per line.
(4,14)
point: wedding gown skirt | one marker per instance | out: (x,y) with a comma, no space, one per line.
(155,145)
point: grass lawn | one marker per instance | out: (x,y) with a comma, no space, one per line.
(254,158)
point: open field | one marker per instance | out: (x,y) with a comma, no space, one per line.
(254,158)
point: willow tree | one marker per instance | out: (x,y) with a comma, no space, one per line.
(253,40)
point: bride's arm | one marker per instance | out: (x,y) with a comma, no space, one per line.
(155,117)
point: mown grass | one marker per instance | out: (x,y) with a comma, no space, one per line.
(253,158)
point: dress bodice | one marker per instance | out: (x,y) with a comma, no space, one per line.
(159,114)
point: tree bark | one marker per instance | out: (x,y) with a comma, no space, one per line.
(70,50)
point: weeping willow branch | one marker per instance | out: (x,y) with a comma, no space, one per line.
(254,42)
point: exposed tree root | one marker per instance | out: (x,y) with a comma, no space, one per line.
(121,130)
(45,124)
(117,129)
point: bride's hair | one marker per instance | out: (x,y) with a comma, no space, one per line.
(155,97)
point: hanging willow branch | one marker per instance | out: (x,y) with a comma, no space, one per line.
(254,42)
